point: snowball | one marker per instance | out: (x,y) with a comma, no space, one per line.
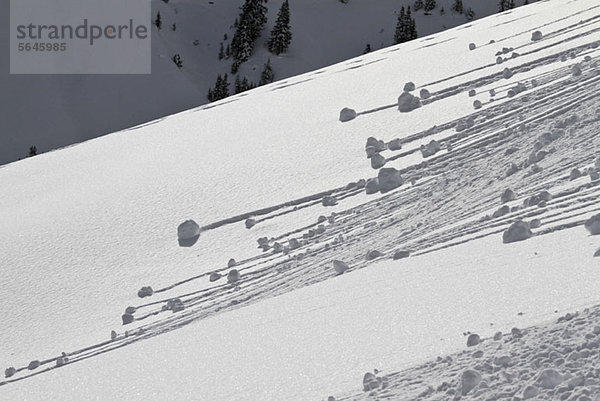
(530,392)
(518,231)
(233,276)
(507,73)
(33,364)
(472,46)
(477,104)
(250,222)
(424,93)
(389,179)
(145,292)
(372,186)
(408,102)
(370,382)
(9,372)
(593,224)
(409,86)
(127,318)
(473,340)
(431,148)
(575,173)
(188,233)
(340,267)
(395,144)
(536,35)
(377,161)
(347,114)
(214,276)
(401,254)
(231,263)
(499,60)
(549,378)
(576,70)
(535,223)
(507,196)
(469,380)
(374,254)
(328,201)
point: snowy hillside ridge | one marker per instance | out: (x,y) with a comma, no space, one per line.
(292,252)
(72,109)
(555,361)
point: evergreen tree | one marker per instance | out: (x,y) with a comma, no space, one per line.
(177,60)
(221,52)
(243,85)
(251,22)
(418,5)
(281,35)
(267,75)
(526,2)
(457,6)
(506,5)
(429,5)
(228,51)
(400,34)
(221,89)
(32,150)
(470,14)
(158,21)
(174,27)
(411,26)
(367,49)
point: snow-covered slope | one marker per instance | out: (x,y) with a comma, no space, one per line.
(85,227)
(54,111)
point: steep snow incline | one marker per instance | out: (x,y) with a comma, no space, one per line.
(55,111)
(85,227)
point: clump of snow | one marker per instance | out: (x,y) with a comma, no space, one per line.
(473,340)
(431,148)
(575,174)
(233,276)
(507,196)
(499,60)
(250,222)
(372,186)
(518,231)
(9,372)
(377,161)
(469,380)
(374,146)
(127,318)
(549,378)
(373,254)
(507,73)
(536,35)
(593,224)
(409,87)
(535,223)
(576,70)
(472,46)
(502,211)
(174,305)
(328,200)
(389,179)
(424,94)
(145,292)
(401,254)
(477,104)
(472,93)
(214,276)
(33,364)
(408,102)
(395,144)
(231,263)
(188,233)
(347,114)
(340,267)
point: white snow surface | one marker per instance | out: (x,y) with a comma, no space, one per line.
(83,228)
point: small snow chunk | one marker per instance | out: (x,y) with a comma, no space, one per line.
(408,102)
(502,211)
(507,196)
(535,223)
(401,254)
(507,73)
(549,378)
(113,335)
(472,46)
(328,201)
(593,224)
(469,380)
(395,144)
(492,92)
(499,60)
(33,365)
(9,372)
(503,361)
(214,276)
(518,231)
(498,336)
(424,94)
(597,253)
(516,332)
(536,35)
(340,267)
(409,87)
(473,340)
(250,222)
(127,318)
(174,305)
(431,148)
(530,392)
(233,276)
(575,173)
(389,179)
(145,292)
(376,144)
(347,114)
(534,82)
(370,382)
(576,70)
(377,161)
(373,254)
(472,93)
(372,186)
(477,104)
(188,233)
(231,263)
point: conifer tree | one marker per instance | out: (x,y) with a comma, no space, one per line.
(457,6)
(367,49)
(267,75)
(221,52)
(158,21)
(418,5)
(400,34)
(32,150)
(429,5)
(281,35)
(411,26)
(177,60)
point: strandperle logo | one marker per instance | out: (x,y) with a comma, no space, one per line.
(80,37)
(84,31)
